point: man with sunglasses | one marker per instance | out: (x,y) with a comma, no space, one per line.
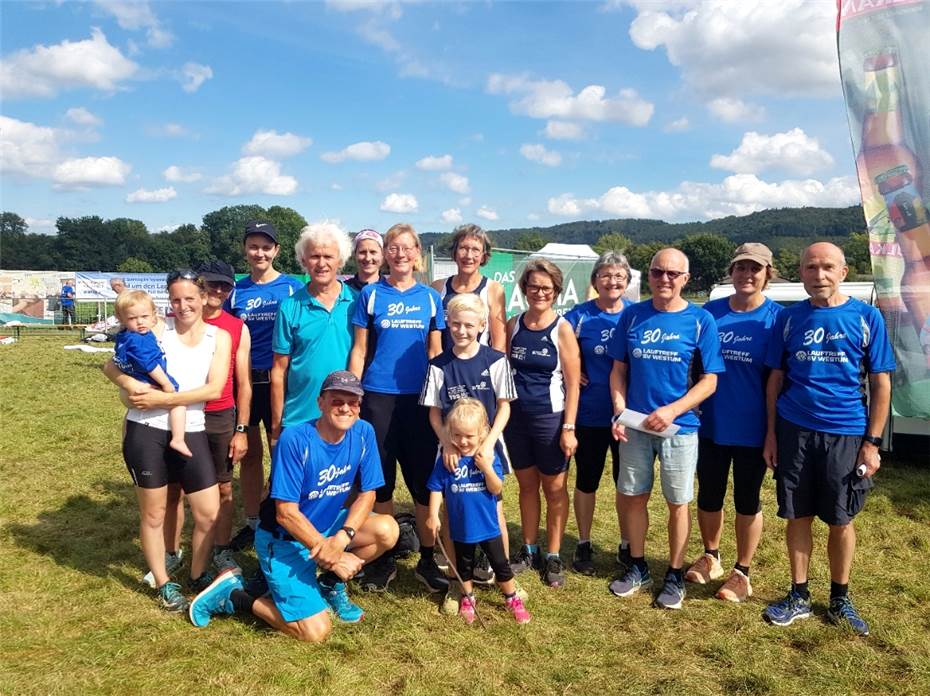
(306,523)
(666,355)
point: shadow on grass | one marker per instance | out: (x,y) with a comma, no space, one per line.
(907,487)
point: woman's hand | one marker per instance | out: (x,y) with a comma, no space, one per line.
(145,397)
(568,442)
(484,457)
(450,455)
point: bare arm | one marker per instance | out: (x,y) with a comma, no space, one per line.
(570,357)
(344,564)
(434,344)
(359,351)
(242,377)
(879,404)
(161,377)
(497,317)
(491,480)
(772,390)
(432,519)
(618,374)
(332,549)
(450,453)
(664,416)
(278,386)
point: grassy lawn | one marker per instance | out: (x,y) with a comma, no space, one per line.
(75,619)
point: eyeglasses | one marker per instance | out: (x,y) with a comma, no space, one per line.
(395,250)
(544,290)
(657,273)
(616,277)
(219,286)
(185,274)
(339,403)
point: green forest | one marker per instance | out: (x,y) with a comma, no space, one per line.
(121,244)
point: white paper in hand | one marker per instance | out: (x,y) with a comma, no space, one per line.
(634,419)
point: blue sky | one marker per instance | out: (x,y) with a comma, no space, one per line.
(508,114)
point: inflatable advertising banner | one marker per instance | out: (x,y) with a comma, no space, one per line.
(885,71)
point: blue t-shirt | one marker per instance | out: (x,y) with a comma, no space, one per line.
(67,301)
(537,368)
(594,328)
(665,353)
(735,413)
(826,353)
(137,354)
(257,305)
(401,321)
(472,508)
(318,475)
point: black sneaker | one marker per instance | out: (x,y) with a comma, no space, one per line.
(524,560)
(583,560)
(378,574)
(482,573)
(429,574)
(624,559)
(244,539)
(198,585)
(553,574)
(408,543)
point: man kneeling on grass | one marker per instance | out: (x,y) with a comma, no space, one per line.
(304,523)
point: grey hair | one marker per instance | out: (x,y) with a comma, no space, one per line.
(322,233)
(683,255)
(611,258)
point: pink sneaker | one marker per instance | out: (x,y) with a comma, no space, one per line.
(515,605)
(467,608)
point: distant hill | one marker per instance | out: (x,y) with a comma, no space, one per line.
(778,228)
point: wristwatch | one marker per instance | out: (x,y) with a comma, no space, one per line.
(349,532)
(242,428)
(877,441)
(568,426)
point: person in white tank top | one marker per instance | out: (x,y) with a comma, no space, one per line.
(198,356)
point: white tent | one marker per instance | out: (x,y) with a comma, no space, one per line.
(566,251)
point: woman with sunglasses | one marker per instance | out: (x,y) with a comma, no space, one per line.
(594,322)
(405,317)
(540,434)
(198,356)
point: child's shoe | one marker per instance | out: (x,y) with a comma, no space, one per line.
(467,608)
(515,605)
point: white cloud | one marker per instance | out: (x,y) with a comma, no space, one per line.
(134,15)
(732,110)
(793,151)
(538,153)
(176,173)
(168,228)
(40,225)
(739,194)
(389,7)
(678,125)
(486,213)
(168,130)
(555,99)
(254,175)
(751,46)
(83,117)
(455,182)
(453,216)
(363,152)
(335,186)
(162,195)
(27,149)
(84,172)
(392,181)
(193,75)
(43,71)
(563,130)
(532,216)
(399,203)
(435,163)
(274,145)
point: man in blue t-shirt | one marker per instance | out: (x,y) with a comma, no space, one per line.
(66,300)
(666,355)
(305,522)
(823,437)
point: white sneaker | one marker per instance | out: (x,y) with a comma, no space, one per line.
(172,563)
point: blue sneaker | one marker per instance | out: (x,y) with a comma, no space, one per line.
(215,598)
(786,611)
(339,603)
(842,612)
(672,594)
(632,581)
(171,597)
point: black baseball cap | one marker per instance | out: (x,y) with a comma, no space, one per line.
(342,380)
(217,271)
(259,227)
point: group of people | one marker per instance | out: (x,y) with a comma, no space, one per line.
(349,378)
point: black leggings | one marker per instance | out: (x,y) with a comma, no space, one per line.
(593,444)
(494,548)
(713,470)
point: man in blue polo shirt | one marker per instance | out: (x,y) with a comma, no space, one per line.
(67,303)
(666,355)
(823,436)
(305,522)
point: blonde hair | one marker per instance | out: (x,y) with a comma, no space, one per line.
(405,228)
(467,302)
(128,298)
(468,413)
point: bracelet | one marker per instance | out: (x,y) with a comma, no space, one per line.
(568,426)
(877,441)
(615,419)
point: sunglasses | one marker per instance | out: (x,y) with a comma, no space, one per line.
(185,274)
(351,403)
(657,273)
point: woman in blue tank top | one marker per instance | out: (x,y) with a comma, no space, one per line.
(540,434)
(471,249)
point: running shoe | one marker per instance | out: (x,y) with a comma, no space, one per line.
(631,582)
(467,608)
(482,573)
(737,588)
(378,574)
(339,603)
(515,606)
(223,559)
(842,613)
(583,560)
(450,603)
(429,574)
(198,585)
(173,563)
(171,597)
(786,611)
(553,574)
(672,593)
(215,598)
(525,560)
(704,569)
(244,539)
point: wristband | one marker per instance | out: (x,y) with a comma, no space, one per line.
(877,441)
(568,426)
(242,428)
(349,532)
(615,419)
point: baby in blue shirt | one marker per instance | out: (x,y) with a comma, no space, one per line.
(138,354)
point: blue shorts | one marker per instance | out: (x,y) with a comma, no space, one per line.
(677,463)
(534,440)
(291,573)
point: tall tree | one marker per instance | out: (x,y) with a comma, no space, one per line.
(224,228)
(709,256)
(612,241)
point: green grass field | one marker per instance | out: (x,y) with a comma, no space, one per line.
(75,619)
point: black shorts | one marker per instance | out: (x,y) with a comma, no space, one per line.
(153,464)
(261,403)
(220,427)
(534,440)
(816,474)
(404,436)
(593,444)
(713,470)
